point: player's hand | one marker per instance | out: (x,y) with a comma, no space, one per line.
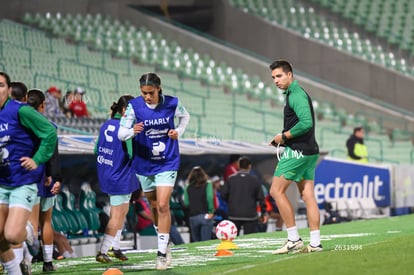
(264,219)
(28,163)
(277,140)
(48,181)
(138,128)
(173,134)
(56,188)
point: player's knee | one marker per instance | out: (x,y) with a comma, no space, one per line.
(163,208)
(14,237)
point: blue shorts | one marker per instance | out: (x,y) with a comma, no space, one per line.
(22,196)
(149,183)
(116,200)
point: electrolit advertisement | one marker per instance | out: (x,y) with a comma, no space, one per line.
(335,179)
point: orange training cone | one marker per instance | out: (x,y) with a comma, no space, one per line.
(224,252)
(113,271)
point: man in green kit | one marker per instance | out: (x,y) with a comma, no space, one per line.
(298,161)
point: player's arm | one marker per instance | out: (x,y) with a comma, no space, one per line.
(43,129)
(126,125)
(183,118)
(53,166)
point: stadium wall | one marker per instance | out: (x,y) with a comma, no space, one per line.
(227,25)
(312,57)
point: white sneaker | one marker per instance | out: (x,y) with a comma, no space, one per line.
(310,249)
(290,247)
(161,263)
(169,254)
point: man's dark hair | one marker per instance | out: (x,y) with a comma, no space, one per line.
(19,91)
(357,129)
(7,77)
(35,98)
(283,64)
(244,163)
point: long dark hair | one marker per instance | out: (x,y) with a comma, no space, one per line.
(197,176)
(117,107)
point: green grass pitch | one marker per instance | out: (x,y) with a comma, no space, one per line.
(383,246)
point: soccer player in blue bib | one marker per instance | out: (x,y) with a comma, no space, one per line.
(156,156)
(27,140)
(116,177)
(48,186)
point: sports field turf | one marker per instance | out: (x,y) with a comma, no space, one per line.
(383,246)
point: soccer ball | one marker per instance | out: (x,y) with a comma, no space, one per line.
(226,230)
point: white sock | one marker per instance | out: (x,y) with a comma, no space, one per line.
(18,254)
(155,227)
(26,253)
(67,255)
(47,253)
(106,243)
(293,234)
(116,244)
(163,242)
(13,266)
(73,254)
(315,238)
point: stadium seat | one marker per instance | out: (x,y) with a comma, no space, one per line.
(87,202)
(70,210)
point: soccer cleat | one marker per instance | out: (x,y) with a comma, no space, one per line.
(31,241)
(48,267)
(161,263)
(117,253)
(310,249)
(103,258)
(26,267)
(290,247)
(169,254)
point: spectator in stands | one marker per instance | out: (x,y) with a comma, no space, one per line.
(22,152)
(48,186)
(243,192)
(116,177)
(156,154)
(78,106)
(232,167)
(199,198)
(52,109)
(299,159)
(357,150)
(65,102)
(220,205)
(18,91)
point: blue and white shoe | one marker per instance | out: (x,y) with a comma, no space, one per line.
(32,242)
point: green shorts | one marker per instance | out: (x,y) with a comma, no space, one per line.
(116,200)
(295,166)
(22,196)
(149,183)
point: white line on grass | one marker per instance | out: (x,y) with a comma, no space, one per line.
(255,265)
